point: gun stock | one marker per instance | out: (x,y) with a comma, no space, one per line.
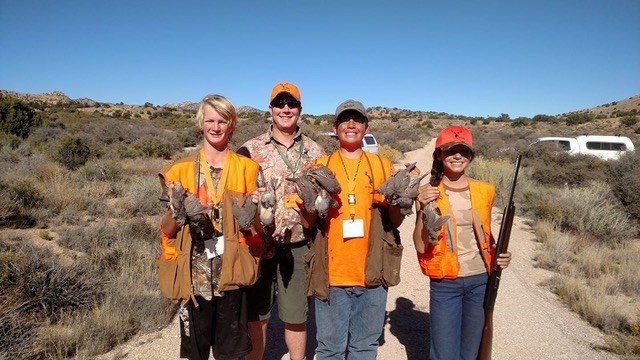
(493,282)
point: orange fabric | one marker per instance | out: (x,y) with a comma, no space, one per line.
(347,256)
(243,174)
(285,87)
(439,261)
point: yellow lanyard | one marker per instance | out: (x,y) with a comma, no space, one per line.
(215,194)
(351,184)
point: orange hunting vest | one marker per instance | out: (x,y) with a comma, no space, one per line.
(441,260)
(240,261)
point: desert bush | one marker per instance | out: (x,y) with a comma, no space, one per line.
(500,174)
(142,197)
(590,211)
(155,146)
(394,155)
(17,117)
(38,285)
(629,120)
(72,152)
(600,310)
(552,168)
(624,178)
(558,248)
(9,141)
(401,139)
(578,118)
(101,170)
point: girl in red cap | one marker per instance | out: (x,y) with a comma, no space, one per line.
(453,240)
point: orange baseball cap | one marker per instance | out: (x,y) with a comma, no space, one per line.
(285,87)
(454,135)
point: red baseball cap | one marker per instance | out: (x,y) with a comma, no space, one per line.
(454,135)
(285,87)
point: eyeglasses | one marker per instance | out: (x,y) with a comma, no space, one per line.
(282,102)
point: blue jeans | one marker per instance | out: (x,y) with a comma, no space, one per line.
(456,317)
(351,321)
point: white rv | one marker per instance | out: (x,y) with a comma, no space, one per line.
(607,147)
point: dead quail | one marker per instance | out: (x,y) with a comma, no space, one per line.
(244,214)
(193,208)
(324,177)
(433,221)
(176,203)
(268,202)
(401,189)
(307,190)
(323,202)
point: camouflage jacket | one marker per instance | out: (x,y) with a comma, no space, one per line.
(269,153)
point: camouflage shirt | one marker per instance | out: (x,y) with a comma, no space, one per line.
(271,154)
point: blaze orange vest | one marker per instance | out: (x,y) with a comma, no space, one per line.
(441,260)
(241,258)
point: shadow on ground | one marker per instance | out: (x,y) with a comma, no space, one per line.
(411,327)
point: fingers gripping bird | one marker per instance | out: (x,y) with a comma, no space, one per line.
(267,198)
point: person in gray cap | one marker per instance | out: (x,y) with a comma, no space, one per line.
(355,250)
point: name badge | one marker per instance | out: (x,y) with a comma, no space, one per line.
(214,247)
(290,201)
(352,228)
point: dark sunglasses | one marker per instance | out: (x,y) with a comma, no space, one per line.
(462,150)
(282,102)
(356,118)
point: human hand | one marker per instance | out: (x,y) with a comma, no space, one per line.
(426,194)
(504,259)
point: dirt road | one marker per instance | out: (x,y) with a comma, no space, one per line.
(529,321)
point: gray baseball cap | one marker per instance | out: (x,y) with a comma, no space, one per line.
(351,105)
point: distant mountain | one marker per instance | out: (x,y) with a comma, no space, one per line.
(631,104)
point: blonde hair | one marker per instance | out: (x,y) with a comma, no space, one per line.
(222,106)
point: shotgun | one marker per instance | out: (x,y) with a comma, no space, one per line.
(494,275)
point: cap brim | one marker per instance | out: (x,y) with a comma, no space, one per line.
(448,146)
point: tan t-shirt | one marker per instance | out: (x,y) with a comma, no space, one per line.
(468,253)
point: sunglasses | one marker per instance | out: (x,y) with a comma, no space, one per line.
(356,118)
(282,102)
(462,150)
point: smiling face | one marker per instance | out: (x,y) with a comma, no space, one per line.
(351,126)
(215,129)
(285,111)
(455,159)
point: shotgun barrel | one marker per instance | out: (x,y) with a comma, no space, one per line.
(496,271)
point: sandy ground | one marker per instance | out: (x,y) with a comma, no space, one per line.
(529,321)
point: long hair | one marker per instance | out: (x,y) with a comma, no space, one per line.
(437,169)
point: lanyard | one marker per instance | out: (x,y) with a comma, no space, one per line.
(351,183)
(292,168)
(215,194)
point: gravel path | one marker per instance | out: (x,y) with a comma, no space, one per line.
(529,321)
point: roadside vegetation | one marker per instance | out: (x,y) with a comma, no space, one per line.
(586,222)
(79,215)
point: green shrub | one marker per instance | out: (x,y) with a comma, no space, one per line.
(551,168)
(624,178)
(72,152)
(629,120)
(17,117)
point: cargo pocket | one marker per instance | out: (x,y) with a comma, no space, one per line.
(309,259)
(391,260)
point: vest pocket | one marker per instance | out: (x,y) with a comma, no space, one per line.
(391,261)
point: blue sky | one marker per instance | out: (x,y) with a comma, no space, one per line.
(474,58)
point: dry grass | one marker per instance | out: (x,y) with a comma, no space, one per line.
(100,221)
